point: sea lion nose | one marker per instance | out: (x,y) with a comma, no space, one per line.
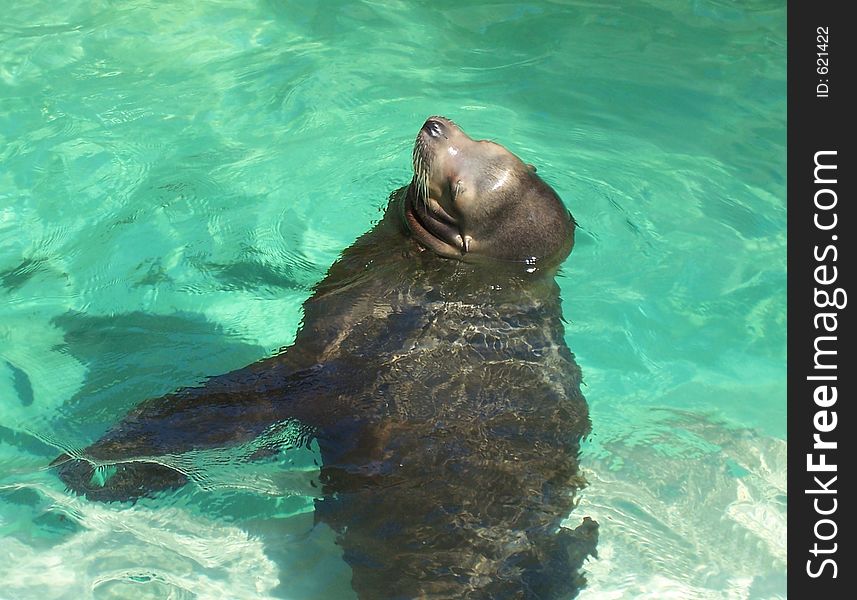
(433,127)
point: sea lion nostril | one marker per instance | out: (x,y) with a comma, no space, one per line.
(433,127)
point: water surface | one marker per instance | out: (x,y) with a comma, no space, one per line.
(174,178)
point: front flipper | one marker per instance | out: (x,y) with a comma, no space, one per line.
(143,454)
(121,481)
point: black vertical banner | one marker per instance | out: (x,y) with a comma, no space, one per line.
(822,432)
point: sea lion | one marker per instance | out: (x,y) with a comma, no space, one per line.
(432,370)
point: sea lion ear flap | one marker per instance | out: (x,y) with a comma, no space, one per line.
(532,167)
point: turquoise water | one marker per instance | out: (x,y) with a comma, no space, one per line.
(174,177)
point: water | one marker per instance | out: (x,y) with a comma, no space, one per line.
(174,177)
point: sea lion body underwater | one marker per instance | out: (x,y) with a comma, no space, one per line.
(431,369)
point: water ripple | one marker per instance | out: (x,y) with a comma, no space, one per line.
(175,178)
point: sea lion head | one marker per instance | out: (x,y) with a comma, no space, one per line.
(473,200)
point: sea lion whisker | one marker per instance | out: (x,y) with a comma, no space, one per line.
(422,170)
